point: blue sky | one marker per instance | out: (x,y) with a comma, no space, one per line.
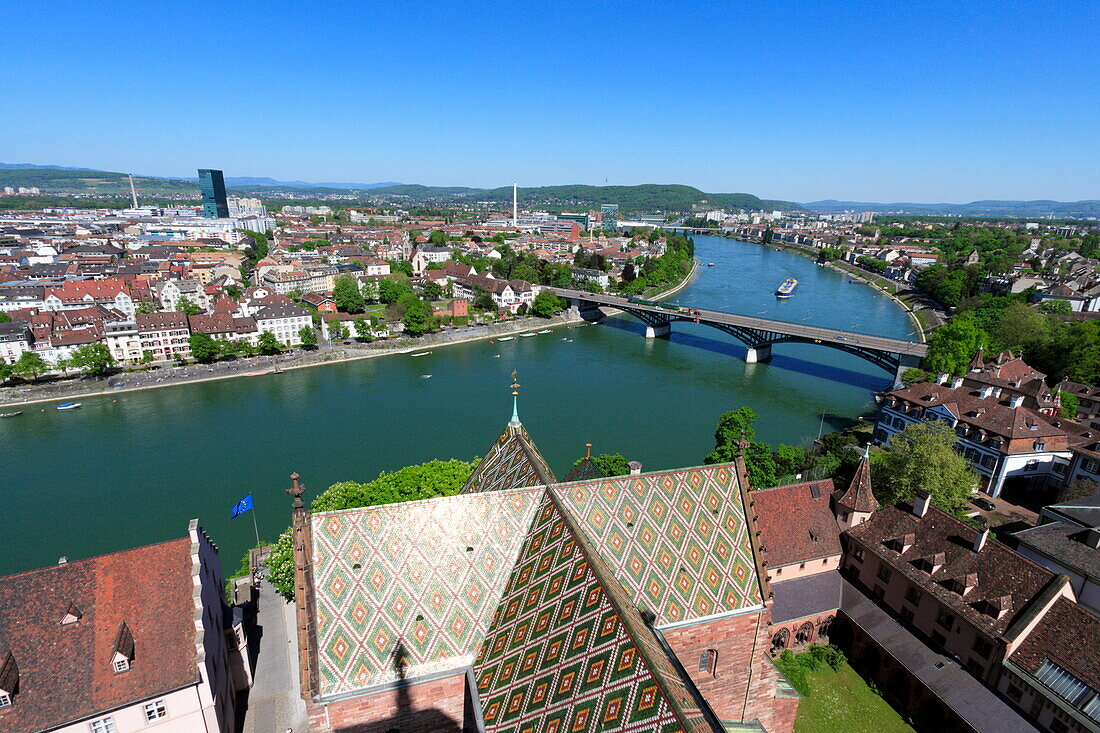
(880,101)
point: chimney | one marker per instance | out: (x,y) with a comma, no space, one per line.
(979,541)
(635,468)
(956,383)
(1015,400)
(941,378)
(920,504)
(985,392)
(62,560)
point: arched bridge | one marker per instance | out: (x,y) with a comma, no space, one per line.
(758,334)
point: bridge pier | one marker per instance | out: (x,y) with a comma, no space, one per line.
(661,330)
(755,354)
(587,311)
(905,361)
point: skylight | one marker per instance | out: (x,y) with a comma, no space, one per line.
(1063,683)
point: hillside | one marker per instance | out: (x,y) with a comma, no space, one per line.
(666,198)
(991,208)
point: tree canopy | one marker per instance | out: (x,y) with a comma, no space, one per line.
(922,456)
(93,359)
(204,349)
(346,295)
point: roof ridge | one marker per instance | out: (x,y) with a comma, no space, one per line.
(630,616)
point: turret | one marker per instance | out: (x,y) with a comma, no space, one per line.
(856,504)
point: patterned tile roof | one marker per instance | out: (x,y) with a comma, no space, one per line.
(561,654)
(428,574)
(586,470)
(676,540)
(513,462)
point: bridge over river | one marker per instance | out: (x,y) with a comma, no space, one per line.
(758,334)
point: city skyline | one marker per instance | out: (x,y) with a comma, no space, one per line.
(885,103)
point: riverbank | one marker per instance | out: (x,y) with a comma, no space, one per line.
(171,376)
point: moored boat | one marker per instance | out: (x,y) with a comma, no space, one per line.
(68,406)
(526,335)
(506,338)
(787,288)
(545,330)
(11,414)
(422,353)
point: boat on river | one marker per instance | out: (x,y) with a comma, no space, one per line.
(506,338)
(545,330)
(68,406)
(425,376)
(422,353)
(11,414)
(526,335)
(787,288)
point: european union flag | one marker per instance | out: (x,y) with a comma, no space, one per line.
(242,506)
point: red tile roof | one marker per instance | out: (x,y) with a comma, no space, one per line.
(795,525)
(65,672)
(1067,635)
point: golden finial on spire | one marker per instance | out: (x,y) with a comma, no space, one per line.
(515,384)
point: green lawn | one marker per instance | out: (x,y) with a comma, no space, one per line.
(842,702)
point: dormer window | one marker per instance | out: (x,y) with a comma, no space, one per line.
(1039,445)
(72,615)
(124,650)
(5,700)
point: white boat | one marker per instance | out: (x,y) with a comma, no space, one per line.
(425,376)
(422,353)
(526,335)
(787,288)
(506,338)
(545,330)
(68,406)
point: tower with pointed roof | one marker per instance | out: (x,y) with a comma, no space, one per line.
(856,503)
(513,461)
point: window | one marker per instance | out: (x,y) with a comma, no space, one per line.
(983,647)
(1014,693)
(155,711)
(104,725)
(1092,466)
(938,639)
(857,554)
(5,700)
(1057,726)
(1060,468)
(122,665)
(912,594)
(884,573)
(946,619)
(1039,445)
(1031,466)
(907,614)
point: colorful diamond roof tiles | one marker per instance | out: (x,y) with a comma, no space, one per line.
(428,574)
(677,540)
(511,463)
(561,655)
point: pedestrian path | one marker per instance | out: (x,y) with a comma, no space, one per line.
(274,705)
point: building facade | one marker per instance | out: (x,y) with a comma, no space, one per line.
(214,202)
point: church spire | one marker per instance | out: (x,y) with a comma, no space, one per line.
(856,503)
(515,399)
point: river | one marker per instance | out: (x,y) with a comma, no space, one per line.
(118,474)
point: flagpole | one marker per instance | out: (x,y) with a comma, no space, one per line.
(254,524)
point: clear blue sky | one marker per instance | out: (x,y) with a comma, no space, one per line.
(878,101)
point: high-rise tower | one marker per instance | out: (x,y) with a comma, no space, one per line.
(214,203)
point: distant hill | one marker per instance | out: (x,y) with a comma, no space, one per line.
(992,208)
(650,197)
(667,198)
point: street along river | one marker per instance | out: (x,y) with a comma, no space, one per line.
(113,475)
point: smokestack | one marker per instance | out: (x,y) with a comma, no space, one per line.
(133,193)
(635,468)
(920,504)
(515,205)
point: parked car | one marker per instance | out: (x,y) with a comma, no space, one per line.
(981,503)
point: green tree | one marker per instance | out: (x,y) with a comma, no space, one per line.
(6,371)
(1057,307)
(337,331)
(362,327)
(308,336)
(204,349)
(912,376)
(347,296)
(4,317)
(424,481)
(93,359)
(418,318)
(432,290)
(610,464)
(390,291)
(268,344)
(146,307)
(546,304)
(759,461)
(953,346)
(30,366)
(483,300)
(187,306)
(1070,404)
(437,238)
(922,456)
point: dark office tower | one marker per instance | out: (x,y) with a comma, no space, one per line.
(214,205)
